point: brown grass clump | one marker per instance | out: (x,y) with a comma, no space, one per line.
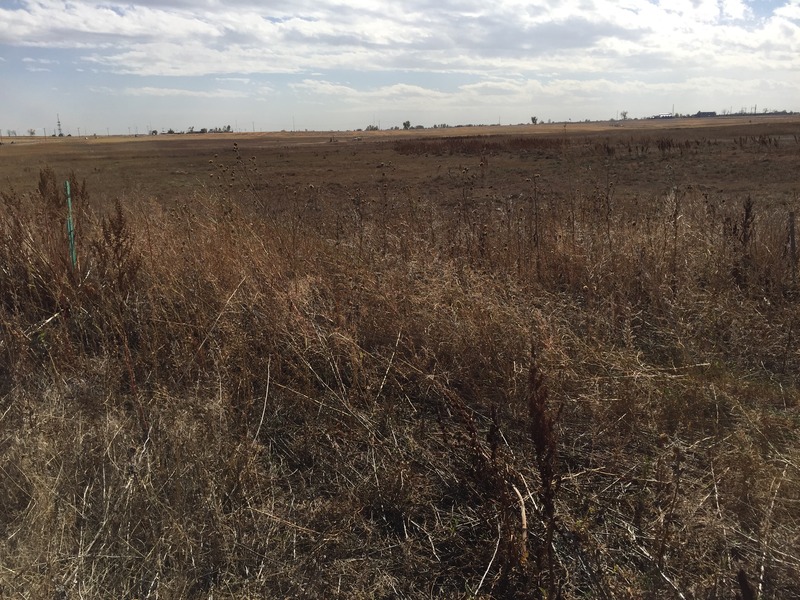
(328,390)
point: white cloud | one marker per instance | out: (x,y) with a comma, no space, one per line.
(40,61)
(735,9)
(390,94)
(51,23)
(174,38)
(325,88)
(242,80)
(193,59)
(264,90)
(791,10)
(94,89)
(156,91)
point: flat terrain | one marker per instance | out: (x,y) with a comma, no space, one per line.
(735,154)
(507,362)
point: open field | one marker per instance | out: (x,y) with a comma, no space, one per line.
(507,362)
(720,155)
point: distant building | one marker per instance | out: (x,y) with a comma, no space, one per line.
(705,115)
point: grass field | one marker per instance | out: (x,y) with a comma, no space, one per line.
(504,362)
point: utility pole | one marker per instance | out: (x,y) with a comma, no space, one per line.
(58,122)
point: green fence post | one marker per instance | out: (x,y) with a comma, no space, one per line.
(70,227)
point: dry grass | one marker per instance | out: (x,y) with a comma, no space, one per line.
(445,377)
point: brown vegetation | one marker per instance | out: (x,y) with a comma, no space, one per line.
(529,367)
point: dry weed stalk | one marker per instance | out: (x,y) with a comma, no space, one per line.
(545,440)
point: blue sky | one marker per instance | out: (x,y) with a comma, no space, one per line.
(345,64)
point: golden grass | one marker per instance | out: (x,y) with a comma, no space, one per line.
(415,377)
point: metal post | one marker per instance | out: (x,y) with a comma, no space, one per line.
(70,227)
(792,248)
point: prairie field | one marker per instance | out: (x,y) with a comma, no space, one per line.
(552,361)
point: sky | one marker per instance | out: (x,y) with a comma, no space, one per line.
(133,66)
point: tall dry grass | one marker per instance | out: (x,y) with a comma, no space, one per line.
(308,392)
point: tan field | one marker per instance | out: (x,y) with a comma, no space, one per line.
(507,362)
(167,166)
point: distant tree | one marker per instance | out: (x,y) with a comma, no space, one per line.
(191,129)
(371,128)
(624,115)
(534,120)
(170,130)
(31,131)
(406,124)
(154,132)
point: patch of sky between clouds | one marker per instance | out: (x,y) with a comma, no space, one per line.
(765,8)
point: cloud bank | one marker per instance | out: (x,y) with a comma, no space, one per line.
(442,60)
